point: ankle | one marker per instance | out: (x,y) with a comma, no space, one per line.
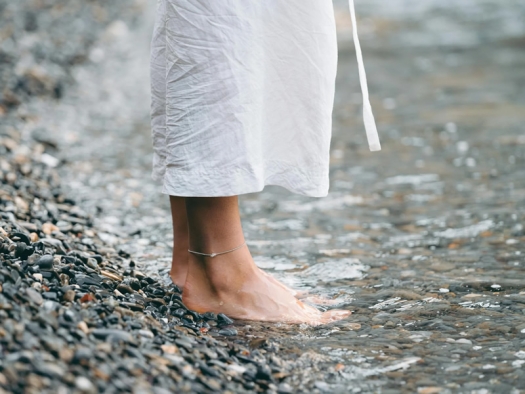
(223,274)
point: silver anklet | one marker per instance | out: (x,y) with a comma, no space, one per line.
(216,254)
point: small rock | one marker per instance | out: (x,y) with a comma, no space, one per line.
(134,283)
(17,236)
(69,296)
(170,349)
(131,305)
(84,384)
(35,296)
(228,332)
(257,343)
(112,335)
(92,263)
(284,388)
(110,275)
(322,385)
(50,295)
(64,279)
(82,356)
(49,160)
(125,289)
(429,390)
(351,327)
(264,373)
(390,324)
(64,226)
(48,228)
(224,320)
(66,354)
(146,334)
(82,326)
(236,369)
(45,261)
(209,316)
(88,297)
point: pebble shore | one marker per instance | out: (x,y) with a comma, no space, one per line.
(76,314)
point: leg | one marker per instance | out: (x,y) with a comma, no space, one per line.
(232,283)
(179,264)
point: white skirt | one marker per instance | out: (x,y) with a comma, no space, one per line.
(242,96)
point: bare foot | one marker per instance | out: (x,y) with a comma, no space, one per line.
(181,240)
(273,279)
(302,295)
(234,285)
(179,266)
(317,300)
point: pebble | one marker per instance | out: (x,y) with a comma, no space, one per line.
(84,384)
(146,334)
(228,331)
(45,262)
(390,324)
(323,386)
(83,356)
(82,326)
(224,320)
(285,388)
(112,334)
(35,296)
(69,296)
(429,390)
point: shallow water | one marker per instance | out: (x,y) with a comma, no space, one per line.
(423,241)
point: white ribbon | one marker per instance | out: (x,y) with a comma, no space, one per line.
(368,116)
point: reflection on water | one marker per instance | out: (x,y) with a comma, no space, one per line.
(466,232)
(334,270)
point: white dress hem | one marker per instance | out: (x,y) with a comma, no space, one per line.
(237,181)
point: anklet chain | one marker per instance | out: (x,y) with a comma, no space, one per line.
(216,254)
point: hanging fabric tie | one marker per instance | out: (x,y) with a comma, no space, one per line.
(368,116)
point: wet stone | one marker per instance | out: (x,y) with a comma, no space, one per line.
(35,296)
(390,324)
(112,335)
(179,312)
(45,262)
(224,320)
(82,356)
(22,237)
(84,385)
(23,251)
(49,370)
(49,295)
(132,283)
(146,334)
(125,289)
(133,306)
(228,331)
(209,316)
(185,343)
(69,296)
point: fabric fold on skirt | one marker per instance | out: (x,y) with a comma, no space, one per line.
(242,96)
